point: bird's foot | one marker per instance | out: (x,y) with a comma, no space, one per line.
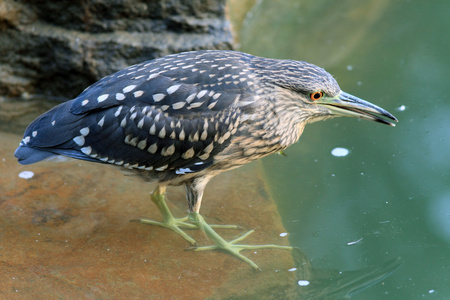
(174,224)
(169,221)
(231,247)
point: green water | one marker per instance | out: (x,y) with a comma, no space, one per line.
(390,196)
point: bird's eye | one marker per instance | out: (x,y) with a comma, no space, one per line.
(316,96)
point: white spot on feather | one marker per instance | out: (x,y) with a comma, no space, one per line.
(191,97)
(162,168)
(117,113)
(196,104)
(142,144)
(129,88)
(102,98)
(152,130)
(211,105)
(162,132)
(141,123)
(137,94)
(209,148)
(173,89)
(84,131)
(152,76)
(101,122)
(178,105)
(168,151)
(79,140)
(182,171)
(188,154)
(182,135)
(158,97)
(201,93)
(86,150)
(204,135)
(120,96)
(153,148)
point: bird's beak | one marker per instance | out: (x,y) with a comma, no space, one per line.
(348,105)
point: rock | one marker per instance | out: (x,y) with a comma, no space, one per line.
(58,48)
(65,233)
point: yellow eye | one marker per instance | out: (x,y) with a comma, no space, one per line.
(316,96)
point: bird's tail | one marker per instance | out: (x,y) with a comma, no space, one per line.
(50,136)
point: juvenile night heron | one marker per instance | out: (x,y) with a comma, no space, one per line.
(184,118)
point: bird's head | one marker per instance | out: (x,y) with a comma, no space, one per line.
(319,96)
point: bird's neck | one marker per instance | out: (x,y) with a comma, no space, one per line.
(272,127)
(285,125)
(282,119)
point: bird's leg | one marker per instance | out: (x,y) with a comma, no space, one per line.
(169,221)
(230,247)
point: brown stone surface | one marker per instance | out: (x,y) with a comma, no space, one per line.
(65,233)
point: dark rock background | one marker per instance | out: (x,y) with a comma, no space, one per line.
(56,49)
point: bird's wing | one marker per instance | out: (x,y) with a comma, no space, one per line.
(185,83)
(173,113)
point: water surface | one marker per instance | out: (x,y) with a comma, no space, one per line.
(389,196)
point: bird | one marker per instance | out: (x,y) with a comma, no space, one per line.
(184,118)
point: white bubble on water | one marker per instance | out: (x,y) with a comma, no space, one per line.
(26,174)
(340,152)
(303,282)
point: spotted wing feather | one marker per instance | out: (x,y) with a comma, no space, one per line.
(173,113)
(193,81)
